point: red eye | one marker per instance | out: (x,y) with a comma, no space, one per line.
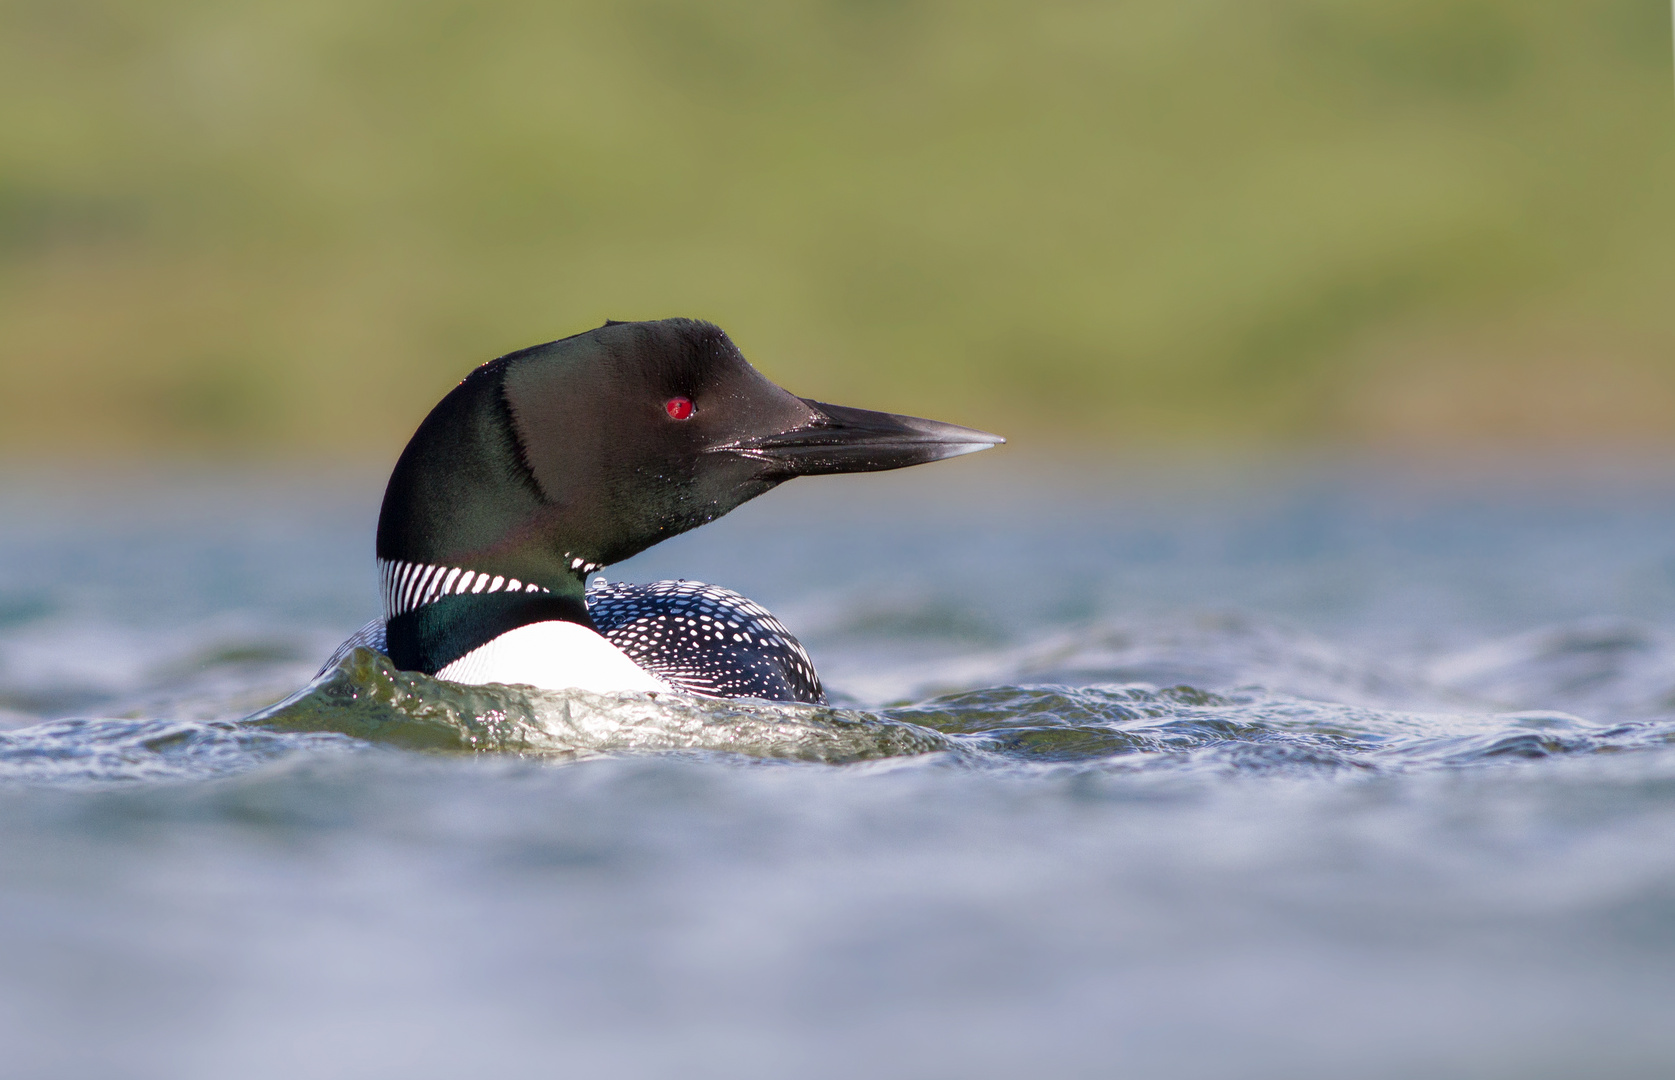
(678,408)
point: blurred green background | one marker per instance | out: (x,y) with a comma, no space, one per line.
(286,227)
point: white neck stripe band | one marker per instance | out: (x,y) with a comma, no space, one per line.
(408,586)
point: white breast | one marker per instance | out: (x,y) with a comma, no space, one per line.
(553,655)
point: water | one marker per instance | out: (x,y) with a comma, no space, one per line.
(1290,773)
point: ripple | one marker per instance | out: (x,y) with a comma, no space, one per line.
(126,751)
(1129,727)
(1110,726)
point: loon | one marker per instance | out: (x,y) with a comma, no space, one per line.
(548,464)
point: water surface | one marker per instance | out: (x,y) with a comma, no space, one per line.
(1291,773)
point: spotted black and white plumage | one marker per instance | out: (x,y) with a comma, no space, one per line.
(705,640)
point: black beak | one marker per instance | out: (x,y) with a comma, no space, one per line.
(844,440)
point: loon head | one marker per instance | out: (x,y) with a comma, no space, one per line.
(550,462)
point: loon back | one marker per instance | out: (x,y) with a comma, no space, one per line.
(552,462)
(706,640)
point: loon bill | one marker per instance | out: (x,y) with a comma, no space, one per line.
(550,463)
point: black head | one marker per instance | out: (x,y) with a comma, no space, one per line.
(588,450)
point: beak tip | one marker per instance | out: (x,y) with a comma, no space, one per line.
(972,446)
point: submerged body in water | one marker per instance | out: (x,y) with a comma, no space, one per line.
(550,463)
(681,636)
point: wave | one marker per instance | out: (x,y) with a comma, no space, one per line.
(364,696)
(1124,726)
(1113,697)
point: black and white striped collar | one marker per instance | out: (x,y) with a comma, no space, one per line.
(409,586)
